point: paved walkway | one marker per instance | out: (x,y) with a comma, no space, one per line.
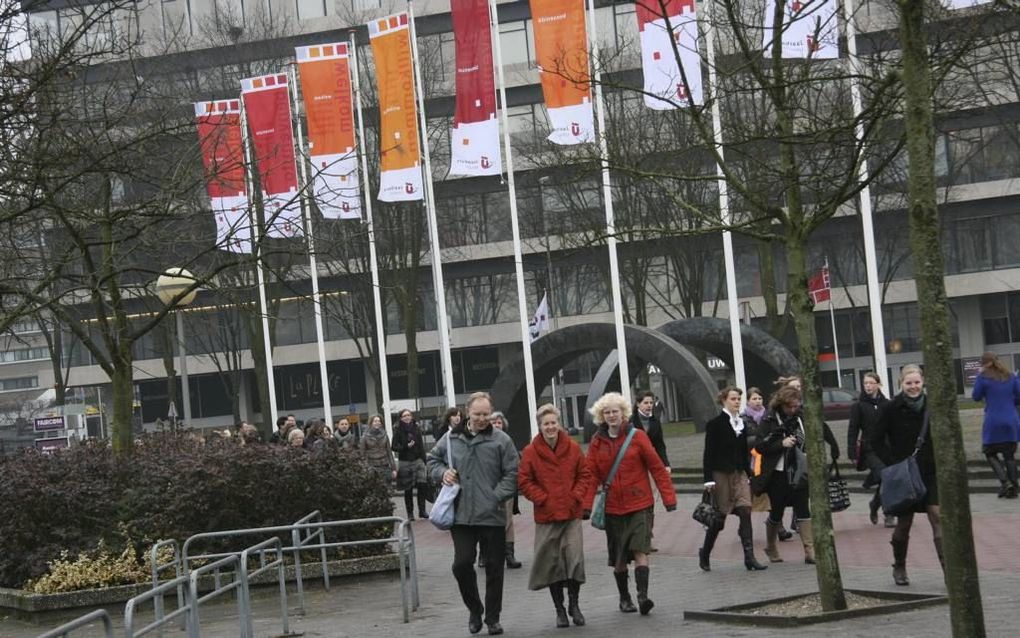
(369,606)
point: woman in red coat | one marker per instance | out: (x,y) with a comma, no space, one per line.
(629,501)
(553,476)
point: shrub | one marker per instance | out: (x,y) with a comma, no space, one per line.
(73,502)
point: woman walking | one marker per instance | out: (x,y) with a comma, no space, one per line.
(784,470)
(344,435)
(512,508)
(1000,390)
(901,425)
(375,445)
(863,415)
(629,498)
(409,444)
(727,468)
(554,477)
(451,420)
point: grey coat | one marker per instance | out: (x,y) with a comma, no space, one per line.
(376,448)
(487,465)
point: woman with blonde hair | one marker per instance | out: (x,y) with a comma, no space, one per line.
(554,477)
(629,498)
(902,425)
(1000,390)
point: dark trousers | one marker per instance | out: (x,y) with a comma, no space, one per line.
(493,539)
(782,496)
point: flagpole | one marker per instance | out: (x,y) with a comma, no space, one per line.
(522,300)
(832,319)
(320,340)
(442,323)
(870,257)
(732,301)
(607,196)
(380,324)
(260,275)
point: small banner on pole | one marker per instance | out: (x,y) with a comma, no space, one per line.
(561,52)
(810,29)
(474,144)
(665,88)
(219,137)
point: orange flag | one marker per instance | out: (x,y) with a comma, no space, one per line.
(561,51)
(400,178)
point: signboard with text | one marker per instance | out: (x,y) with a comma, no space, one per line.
(49,424)
(971,369)
(49,446)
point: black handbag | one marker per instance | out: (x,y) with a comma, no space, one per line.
(839,495)
(708,514)
(902,486)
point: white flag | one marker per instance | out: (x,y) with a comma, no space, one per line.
(540,322)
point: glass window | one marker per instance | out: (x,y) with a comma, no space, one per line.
(497,216)
(1013,303)
(307,9)
(288,324)
(18,383)
(1006,231)
(513,42)
(971,245)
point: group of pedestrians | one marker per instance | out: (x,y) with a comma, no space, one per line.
(564,484)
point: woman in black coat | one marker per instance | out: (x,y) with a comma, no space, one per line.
(409,444)
(893,439)
(645,419)
(727,468)
(784,469)
(863,415)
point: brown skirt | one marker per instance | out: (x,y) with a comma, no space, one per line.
(559,554)
(731,491)
(628,534)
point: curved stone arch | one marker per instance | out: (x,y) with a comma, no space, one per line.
(765,357)
(554,350)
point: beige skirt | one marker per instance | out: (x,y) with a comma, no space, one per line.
(559,554)
(731,491)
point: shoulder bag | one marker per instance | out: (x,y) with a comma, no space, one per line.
(902,488)
(598,508)
(708,514)
(444,510)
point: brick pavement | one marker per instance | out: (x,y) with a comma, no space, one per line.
(369,606)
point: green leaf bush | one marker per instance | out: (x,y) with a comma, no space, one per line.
(103,509)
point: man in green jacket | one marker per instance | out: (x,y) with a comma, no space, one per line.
(485,464)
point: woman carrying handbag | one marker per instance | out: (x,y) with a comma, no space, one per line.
(727,468)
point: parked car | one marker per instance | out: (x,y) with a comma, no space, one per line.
(836,403)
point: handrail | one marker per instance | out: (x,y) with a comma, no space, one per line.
(156,594)
(277,545)
(157,569)
(82,621)
(196,600)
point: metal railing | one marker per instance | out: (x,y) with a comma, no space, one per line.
(78,623)
(234,560)
(246,576)
(156,594)
(157,569)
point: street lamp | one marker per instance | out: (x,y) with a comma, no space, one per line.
(170,284)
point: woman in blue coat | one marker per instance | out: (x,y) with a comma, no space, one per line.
(1000,390)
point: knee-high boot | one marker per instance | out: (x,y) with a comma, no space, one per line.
(409,504)
(705,550)
(807,539)
(645,603)
(626,603)
(1000,473)
(747,540)
(1011,476)
(556,590)
(421,500)
(899,549)
(771,535)
(574,609)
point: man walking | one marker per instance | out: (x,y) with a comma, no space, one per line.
(485,464)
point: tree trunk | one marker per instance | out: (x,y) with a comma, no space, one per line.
(830,582)
(123,404)
(411,337)
(966,615)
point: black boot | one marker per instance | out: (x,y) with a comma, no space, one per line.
(409,504)
(626,604)
(705,550)
(556,591)
(574,591)
(1000,473)
(641,578)
(481,554)
(873,506)
(747,540)
(421,500)
(899,550)
(782,533)
(511,561)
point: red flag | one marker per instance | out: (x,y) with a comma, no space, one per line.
(664,88)
(219,137)
(475,133)
(819,286)
(267,106)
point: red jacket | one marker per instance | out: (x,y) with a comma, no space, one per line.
(556,481)
(631,490)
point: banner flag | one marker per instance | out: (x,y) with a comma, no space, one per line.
(400,176)
(267,107)
(664,86)
(540,322)
(819,287)
(329,106)
(219,137)
(475,135)
(561,52)
(810,29)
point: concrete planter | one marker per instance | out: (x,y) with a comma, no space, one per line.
(46,607)
(743,614)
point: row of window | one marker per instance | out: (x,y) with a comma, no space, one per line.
(24,354)
(19,383)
